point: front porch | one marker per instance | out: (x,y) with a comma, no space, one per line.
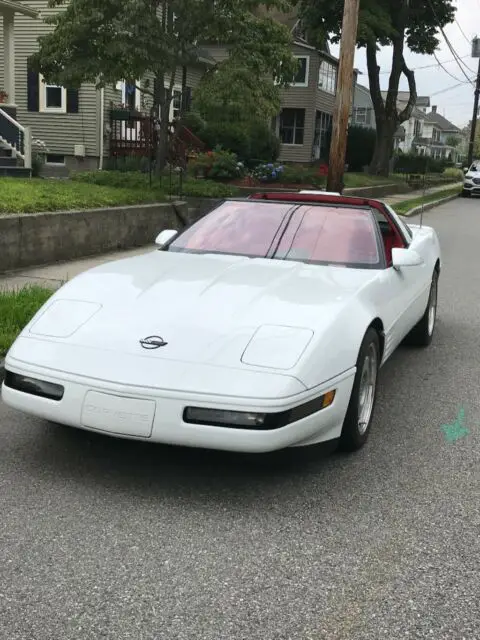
(13,136)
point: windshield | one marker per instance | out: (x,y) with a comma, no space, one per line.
(324,234)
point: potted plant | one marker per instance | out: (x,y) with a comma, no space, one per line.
(3,96)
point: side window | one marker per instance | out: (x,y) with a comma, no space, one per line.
(404,228)
(390,236)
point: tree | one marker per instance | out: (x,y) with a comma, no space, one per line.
(453,141)
(396,23)
(231,92)
(103,42)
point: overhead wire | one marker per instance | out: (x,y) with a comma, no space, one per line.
(449,44)
(446,70)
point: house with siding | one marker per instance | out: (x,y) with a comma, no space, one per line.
(363,114)
(308,102)
(74,124)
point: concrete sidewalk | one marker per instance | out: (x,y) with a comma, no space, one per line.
(55,275)
(420,193)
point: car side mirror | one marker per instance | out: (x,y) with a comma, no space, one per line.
(405,258)
(165,236)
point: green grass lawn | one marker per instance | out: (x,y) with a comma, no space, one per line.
(357,180)
(407,205)
(17,308)
(37,195)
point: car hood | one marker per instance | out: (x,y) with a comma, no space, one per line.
(207,308)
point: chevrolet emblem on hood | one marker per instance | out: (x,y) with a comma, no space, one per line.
(153,342)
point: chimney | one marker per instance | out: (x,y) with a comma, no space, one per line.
(434,109)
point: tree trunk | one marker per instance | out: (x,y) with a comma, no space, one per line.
(380,165)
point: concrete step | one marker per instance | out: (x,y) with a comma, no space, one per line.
(14,172)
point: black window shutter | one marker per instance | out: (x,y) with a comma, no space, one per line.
(72,100)
(187,99)
(33,90)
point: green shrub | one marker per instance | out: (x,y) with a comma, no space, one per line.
(217,165)
(455,174)
(297,174)
(264,143)
(194,122)
(230,136)
(248,140)
(412,163)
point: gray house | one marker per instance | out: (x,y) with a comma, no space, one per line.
(73,126)
(308,103)
(363,114)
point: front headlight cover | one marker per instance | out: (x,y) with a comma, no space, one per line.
(61,318)
(277,347)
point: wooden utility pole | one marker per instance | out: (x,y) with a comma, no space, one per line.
(473,129)
(338,145)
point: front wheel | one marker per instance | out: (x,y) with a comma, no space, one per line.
(359,416)
(466,194)
(422,333)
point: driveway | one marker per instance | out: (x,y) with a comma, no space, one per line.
(102,538)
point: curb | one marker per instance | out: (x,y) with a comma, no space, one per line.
(2,370)
(430,205)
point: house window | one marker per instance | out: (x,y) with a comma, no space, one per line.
(176,104)
(327,77)
(53,99)
(292,126)
(323,122)
(360,115)
(53,158)
(301,77)
(417,128)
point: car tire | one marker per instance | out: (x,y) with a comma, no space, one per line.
(359,416)
(422,333)
(466,194)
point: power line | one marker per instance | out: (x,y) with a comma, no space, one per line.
(430,66)
(446,70)
(462,31)
(454,53)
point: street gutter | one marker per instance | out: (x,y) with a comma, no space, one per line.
(429,205)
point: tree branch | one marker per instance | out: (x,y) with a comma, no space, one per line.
(412,86)
(374,79)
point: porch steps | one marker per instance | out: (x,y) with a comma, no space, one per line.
(9,166)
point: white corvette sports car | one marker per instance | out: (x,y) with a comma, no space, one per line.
(261,326)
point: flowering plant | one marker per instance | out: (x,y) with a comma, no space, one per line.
(3,95)
(218,164)
(270,172)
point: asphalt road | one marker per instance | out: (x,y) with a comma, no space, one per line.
(101,538)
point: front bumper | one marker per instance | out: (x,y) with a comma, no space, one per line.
(156,415)
(472,188)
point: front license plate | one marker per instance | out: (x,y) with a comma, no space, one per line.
(116,414)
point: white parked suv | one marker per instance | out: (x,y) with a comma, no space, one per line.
(471,182)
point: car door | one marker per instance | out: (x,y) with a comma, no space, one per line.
(402,293)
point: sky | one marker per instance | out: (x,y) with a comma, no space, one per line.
(456,103)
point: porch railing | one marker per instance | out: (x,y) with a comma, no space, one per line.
(16,137)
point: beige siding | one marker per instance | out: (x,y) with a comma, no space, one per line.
(302,98)
(60,132)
